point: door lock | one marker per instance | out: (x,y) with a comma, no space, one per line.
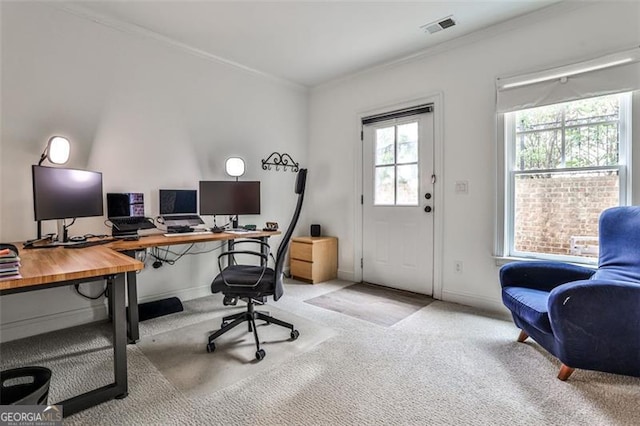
(427,209)
(427,195)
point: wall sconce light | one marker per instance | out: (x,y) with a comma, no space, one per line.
(56,151)
(234,167)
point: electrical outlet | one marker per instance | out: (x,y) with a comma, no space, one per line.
(457,266)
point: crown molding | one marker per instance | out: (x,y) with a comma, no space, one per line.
(139,31)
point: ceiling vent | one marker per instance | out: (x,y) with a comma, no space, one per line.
(439,25)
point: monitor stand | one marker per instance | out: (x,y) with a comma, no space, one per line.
(63,237)
(234,222)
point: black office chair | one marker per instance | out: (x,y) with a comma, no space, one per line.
(254,283)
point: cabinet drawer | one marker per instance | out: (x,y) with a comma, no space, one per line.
(301,269)
(302,251)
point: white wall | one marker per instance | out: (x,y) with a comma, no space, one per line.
(465,76)
(145,114)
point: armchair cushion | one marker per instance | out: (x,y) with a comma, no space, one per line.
(528,304)
(541,275)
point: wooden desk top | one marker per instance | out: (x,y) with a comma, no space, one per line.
(160,240)
(51,265)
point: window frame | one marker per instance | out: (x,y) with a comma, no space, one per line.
(395,124)
(505,217)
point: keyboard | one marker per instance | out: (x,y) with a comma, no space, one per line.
(132,223)
(129,220)
(86,244)
(181,217)
(175,234)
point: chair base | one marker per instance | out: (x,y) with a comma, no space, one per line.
(250,317)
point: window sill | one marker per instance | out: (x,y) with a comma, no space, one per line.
(503,260)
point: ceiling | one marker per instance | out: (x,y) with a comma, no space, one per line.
(308,43)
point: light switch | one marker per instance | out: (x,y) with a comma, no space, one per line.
(462,187)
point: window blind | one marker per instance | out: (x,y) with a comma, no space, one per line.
(615,73)
(397,114)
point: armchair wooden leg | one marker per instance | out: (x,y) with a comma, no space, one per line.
(565,372)
(522,337)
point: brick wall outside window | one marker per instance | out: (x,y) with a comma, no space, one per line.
(552,208)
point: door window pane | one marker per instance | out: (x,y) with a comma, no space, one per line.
(385,146)
(408,143)
(407,185)
(384,186)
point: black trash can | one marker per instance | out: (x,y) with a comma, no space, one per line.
(25,386)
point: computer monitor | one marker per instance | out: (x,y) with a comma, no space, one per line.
(126,204)
(228,197)
(178,201)
(60,193)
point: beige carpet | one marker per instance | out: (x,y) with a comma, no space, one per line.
(445,364)
(181,356)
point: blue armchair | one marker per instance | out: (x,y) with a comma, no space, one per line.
(587,318)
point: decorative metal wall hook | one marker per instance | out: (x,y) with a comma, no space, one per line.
(283,160)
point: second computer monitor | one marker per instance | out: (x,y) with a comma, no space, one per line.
(228,197)
(178,201)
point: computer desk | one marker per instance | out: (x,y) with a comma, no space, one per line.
(56,267)
(150,241)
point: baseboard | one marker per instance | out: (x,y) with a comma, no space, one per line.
(46,323)
(347,275)
(474,300)
(183,294)
(75,317)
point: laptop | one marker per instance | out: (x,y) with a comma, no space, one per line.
(126,212)
(178,208)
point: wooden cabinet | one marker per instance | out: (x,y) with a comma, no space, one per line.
(314,259)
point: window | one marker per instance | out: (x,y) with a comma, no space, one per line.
(396,165)
(565,164)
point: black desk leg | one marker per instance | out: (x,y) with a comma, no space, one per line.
(133,330)
(119,388)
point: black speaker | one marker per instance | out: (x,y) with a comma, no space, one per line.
(315,230)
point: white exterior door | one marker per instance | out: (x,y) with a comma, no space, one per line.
(398,184)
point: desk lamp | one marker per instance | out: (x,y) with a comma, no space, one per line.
(57,152)
(234,166)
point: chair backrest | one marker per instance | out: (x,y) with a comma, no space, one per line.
(619,257)
(301,182)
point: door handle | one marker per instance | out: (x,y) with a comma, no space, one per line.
(427,209)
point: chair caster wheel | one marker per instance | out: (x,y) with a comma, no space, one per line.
(211,347)
(295,334)
(260,354)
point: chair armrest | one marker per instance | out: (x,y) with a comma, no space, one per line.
(597,325)
(541,275)
(262,243)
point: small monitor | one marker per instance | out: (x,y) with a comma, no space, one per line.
(228,197)
(127,204)
(60,193)
(178,201)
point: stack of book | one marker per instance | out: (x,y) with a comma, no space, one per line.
(9,264)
